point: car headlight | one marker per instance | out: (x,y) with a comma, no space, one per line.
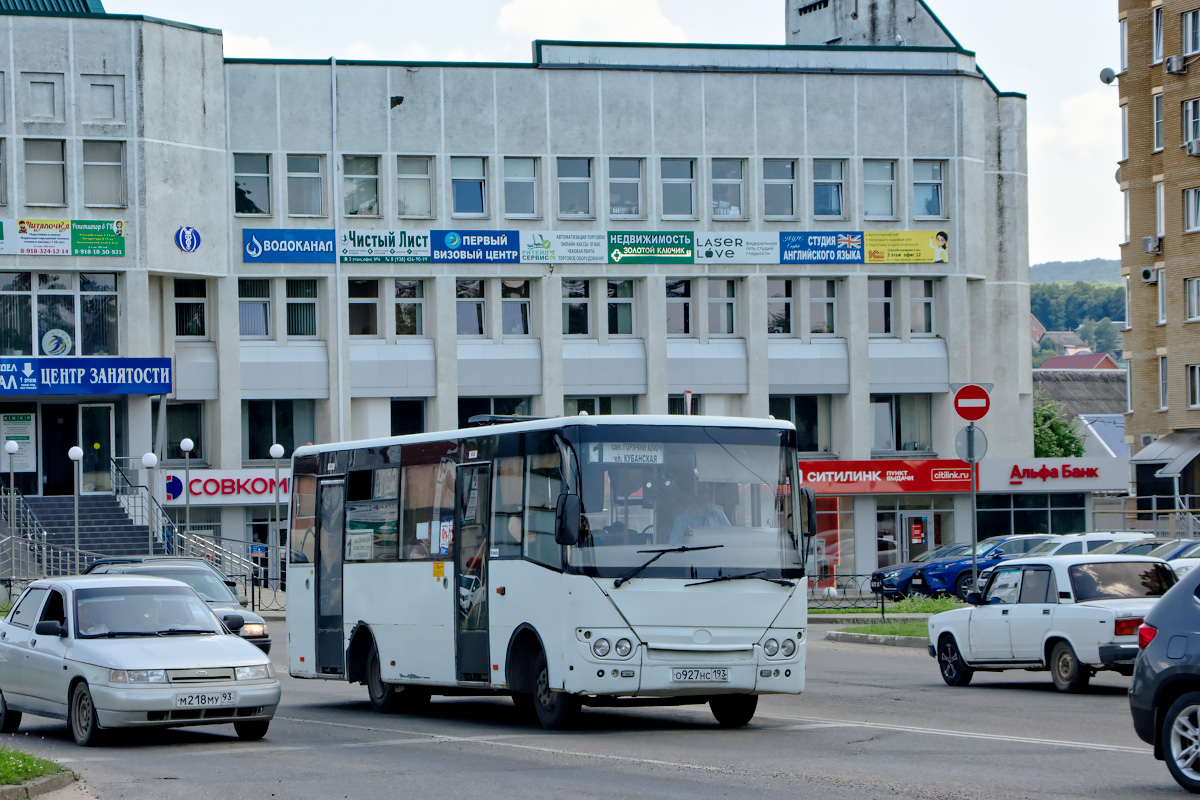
(254,629)
(600,647)
(1182,568)
(788,648)
(892,574)
(138,676)
(256,672)
(770,647)
(624,647)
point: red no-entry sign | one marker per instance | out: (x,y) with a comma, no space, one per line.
(972,402)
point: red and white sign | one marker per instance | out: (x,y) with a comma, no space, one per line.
(972,402)
(886,477)
(1053,475)
(226,487)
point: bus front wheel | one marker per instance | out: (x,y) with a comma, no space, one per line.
(555,710)
(388,698)
(734,710)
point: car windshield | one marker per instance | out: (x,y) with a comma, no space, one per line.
(981,547)
(203,580)
(1165,550)
(1046,548)
(1108,548)
(941,552)
(726,490)
(1120,579)
(114,611)
(1191,552)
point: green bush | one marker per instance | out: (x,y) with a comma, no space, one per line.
(924,605)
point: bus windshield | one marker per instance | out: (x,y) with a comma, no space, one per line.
(644,489)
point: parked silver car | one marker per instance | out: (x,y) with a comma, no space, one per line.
(112,651)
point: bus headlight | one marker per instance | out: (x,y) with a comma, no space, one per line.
(788,648)
(600,647)
(624,647)
(770,647)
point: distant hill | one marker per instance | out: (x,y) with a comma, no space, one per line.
(1099,270)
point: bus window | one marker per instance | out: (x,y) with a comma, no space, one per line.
(372,508)
(304,520)
(543,485)
(507,507)
(427,515)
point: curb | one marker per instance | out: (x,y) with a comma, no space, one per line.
(40,786)
(875,638)
(862,619)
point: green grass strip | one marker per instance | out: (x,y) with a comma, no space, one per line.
(920,629)
(16,767)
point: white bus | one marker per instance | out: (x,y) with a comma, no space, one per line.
(585,560)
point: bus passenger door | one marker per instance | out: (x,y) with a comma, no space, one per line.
(331,650)
(471,518)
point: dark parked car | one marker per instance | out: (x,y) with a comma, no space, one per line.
(952,576)
(893,581)
(1164,695)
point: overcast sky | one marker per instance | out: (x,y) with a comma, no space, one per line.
(1051,51)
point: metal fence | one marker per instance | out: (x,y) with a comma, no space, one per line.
(842,591)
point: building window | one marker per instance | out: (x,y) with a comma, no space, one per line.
(184,421)
(1191,120)
(1193,299)
(1156,33)
(76,315)
(1124,132)
(779,188)
(574,187)
(575,306)
(499,406)
(679,188)
(901,422)
(1158,122)
(414,188)
(410,308)
(520,187)
(1162,382)
(291,423)
(3,172)
(467,186)
(1125,204)
(1160,224)
(620,308)
(625,187)
(679,308)
(827,188)
(190,307)
(728,188)
(1193,373)
(1191,32)
(469,307)
(251,183)
(921,306)
(1161,287)
(98,313)
(514,307)
(1191,211)
(879,306)
(1124,45)
(16,314)
(254,306)
(301,307)
(360,184)
(822,306)
(364,307)
(104,173)
(927,190)
(879,189)
(45,173)
(620,404)
(408,416)
(779,306)
(810,414)
(305,198)
(721,320)
(675,404)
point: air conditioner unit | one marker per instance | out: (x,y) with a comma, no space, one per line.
(1152,244)
(1193,147)
(1176,65)
(1148,439)
(1149,274)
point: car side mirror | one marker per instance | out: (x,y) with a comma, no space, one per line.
(243,601)
(974,599)
(49,627)
(235,622)
(232,584)
(567,519)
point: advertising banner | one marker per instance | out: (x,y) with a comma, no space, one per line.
(808,247)
(1053,475)
(747,248)
(886,477)
(288,246)
(219,487)
(475,247)
(62,237)
(22,429)
(651,247)
(383,247)
(558,247)
(27,377)
(907,247)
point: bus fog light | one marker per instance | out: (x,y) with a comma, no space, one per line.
(770,647)
(624,647)
(600,647)
(599,673)
(788,648)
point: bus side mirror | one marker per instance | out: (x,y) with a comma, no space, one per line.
(566,519)
(808,510)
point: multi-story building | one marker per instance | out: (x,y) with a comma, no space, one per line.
(280,251)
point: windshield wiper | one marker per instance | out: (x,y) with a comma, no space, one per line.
(746,576)
(182,631)
(118,634)
(657,555)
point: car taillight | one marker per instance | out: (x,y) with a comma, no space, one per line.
(1146,635)
(1126,626)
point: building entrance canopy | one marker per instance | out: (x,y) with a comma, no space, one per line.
(1177,449)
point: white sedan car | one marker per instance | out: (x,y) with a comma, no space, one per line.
(110,651)
(1072,615)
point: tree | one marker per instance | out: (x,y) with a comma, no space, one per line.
(1106,337)
(1054,436)
(1043,352)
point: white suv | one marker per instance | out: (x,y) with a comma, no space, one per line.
(1074,544)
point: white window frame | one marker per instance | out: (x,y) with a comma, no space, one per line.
(1162,383)
(572,298)
(689,182)
(1128,322)
(477,301)
(1191,210)
(515,293)
(1193,374)
(612,301)
(1158,122)
(879,183)
(637,183)
(573,182)
(523,180)
(298,176)
(722,307)
(826,301)
(938,184)
(1192,292)
(61,163)
(351,180)
(737,183)
(3,171)
(247,174)
(1161,287)
(1124,133)
(363,300)
(1125,206)
(461,163)
(789,183)
(264,302)
(1124,44)
(1160,222)
(888,301)
(1191,120)
(92,167)
(290,301)
(425,178)
(1156,35)
(417,301)
(922,302)
(787,302)
(838,182)
(1190,26)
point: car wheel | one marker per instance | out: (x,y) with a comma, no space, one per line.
(9,720)
(81,717)
(962,585)
(252,730)
(955,671)
(734,710)
(1181,741)
(388,698)
(1069,675)
(555,710)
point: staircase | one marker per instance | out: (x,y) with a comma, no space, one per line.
(104,526)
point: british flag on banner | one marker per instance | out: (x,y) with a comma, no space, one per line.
(849,240)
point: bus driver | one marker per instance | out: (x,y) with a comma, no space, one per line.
(700,511)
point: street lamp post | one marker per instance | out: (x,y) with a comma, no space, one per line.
(186,446)
(273,537)
(76,455)
(150,461)
(11,448)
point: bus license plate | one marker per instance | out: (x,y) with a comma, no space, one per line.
(205,699)
(698,675)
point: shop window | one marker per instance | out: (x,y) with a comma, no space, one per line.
(16,314)
(61,300)
(290,423)
(901,423)
(252,183)
(833,544)
(191,307)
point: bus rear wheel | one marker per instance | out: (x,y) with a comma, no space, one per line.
(388,698)
(734,710)
(555,710)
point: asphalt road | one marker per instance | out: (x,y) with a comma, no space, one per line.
(875,722)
